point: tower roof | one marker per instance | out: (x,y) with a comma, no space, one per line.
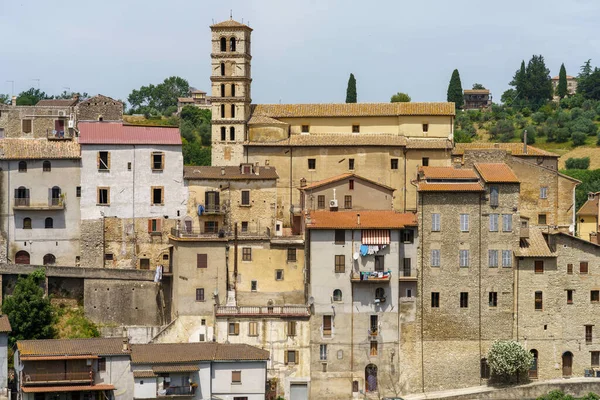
(230,23)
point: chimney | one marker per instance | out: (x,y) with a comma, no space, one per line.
(76,97)
(125,345)
(222,170)
(256,168)
(14,101)
(525,141)
(358,219)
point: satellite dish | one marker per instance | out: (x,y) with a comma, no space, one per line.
(311,301)
(355,256)
(571,228)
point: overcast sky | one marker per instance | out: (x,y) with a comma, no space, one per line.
(303,51)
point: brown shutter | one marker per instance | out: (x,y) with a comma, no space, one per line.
(162,195)
(162,161)
(149,225)
(583,267)
(97,195)
(569,269)
(108,159)
(107,195)
(151,161)
(201,260)
(237,328)
(159,225)
(98,160)
(296,359)
(285,357)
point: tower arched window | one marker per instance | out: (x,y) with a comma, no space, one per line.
(223,133)
(223,44)
(233,111)
(337,295)
(232,90)
(222,69)
(22,166)
(46,166)
(26,223)
(232,133)
(232,44)
(49,223)
(222,90)
(222,110)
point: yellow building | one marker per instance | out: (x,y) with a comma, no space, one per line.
(587,218)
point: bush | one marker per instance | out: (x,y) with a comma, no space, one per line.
(578,138)
(556,395)
(562,135)
(530,134)
(538,117)
(508,359)
(578,163)
(576,113)
(503,130)
(526,112)
(169,111)
(462,137)
(586,126)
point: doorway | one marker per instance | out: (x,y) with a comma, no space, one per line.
(567,364)
(299,391)
(533,371)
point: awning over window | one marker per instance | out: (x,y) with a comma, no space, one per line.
(375,236)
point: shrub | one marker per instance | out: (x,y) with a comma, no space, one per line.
(538,117)
(503,129)
(556,395)
(462,137)
(526,112)
(562,135)
(576,113)
(578,138)
(583,125)
(508,358)
(578,163)
(530,134)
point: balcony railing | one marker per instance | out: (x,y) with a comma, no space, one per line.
(371,277)
(54,134)
(299,310)
(176,391)
(213,209)
(55,203)
(21,202)
(202,233)
(408,274)
(43,377)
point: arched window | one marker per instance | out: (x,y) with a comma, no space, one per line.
(567,363)
(187,224)
(337,295)
(232,44)
(380,293)
(55,196)
(223,44)
(232,133)
(46,167)
(222,69)
(21,196)
(484,369)
(223,133)
(232,90)
(26,223)
(371,377)
(22,257)
(533,371)
(22,166)
(49,259)
(222,90)
(222,110)
(233,111)
(49,223)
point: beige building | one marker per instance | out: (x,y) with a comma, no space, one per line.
(587,218)
(197,98)
(571,85)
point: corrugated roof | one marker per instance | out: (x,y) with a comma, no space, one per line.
(52,389)
(369,219)
(230,173)
(176,368)
(449,187)
(38,149)
(60,347)
(590,207)
(535,245)
(341,177)
(516,149)
(118,133)
(5,324)
(230,23)
(57,102)
(352,109)
(174,353)
(448,173)
(496,173)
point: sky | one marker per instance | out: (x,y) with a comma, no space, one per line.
(303,51)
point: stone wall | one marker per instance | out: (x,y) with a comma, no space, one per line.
(42,120)
(100,108)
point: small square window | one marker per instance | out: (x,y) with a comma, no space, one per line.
(312,163)
(425,128)
(103,161)
(351,163)
(340,236)
(464,299)
(78,191)
(144,263)
(595,296)
(320,202)
(278,274)
(244,226)
(158,161)
(351,184)
(246,254)
(543,192)
(569,297)
(103,196)
(108,257)
(493,300)
(236,376)
(253,328)
(200,294)
(157,196)
(253,286)
(291,255)
(305,128)
(425,161)
(348,200)
(234,328)
(435,299)
(541,219)
(245,197)
(355,128)
(394,163)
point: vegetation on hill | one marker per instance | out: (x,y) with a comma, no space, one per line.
(31,96)
(455,91)
(351,96)
(559,395)
(590,182)
(160,99)
(71,323)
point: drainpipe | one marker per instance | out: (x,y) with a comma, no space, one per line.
(479,278)
(133,212)
(422,195)
(8,213)
(352,316)
(235,254)
(291,184)
(404,189)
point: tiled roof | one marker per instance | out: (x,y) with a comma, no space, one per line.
(336,139)
(352,109)
(38,149)
(231,173)
(341,177)
(79,388)
(143,374)
(176,368)
(59,347)
(180,353)
(368,220)
(57,102)
(447,173)
(262,119)
(414,143)
(496,173)
(185,100)
(476,91)
(516,149)
(118,133)
(535,245)
(230,23)
(449,187)
(194,90)
(98,98)
(590,207)
(558,77)
(5,324)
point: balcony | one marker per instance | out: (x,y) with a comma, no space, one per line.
(173,392)
(34,378)
(63,134)
(220,234)
(299,310)
(213,209)
(408,274)
(24,203)
(371,277)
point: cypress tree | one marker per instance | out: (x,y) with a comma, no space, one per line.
(561,89)
(455,91)
(351,90)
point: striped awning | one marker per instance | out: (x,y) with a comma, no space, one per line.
(375,236)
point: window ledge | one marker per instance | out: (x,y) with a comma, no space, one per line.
(155,233)
(102,204)
(245,205)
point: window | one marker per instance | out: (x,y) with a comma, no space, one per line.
(200,294)
(569,269)
(355,386)
(539,266)
(49,223)
(323,352)
(464,299)
(588,334)
(463,258)
(103,161)
(312,163)
(506,222)
(234,328)
(246,254)
(569,297)
(351,184)
(223,133)
(407,235)
(291,255)
(244,226)
(232,133)
(154,225)
(541,219)
(351,164)
(103,196)
(22,257)
(78,191)
(232,44)
(394,163)
(539,302)
(380,293)
(109,257)
(222,90)
(253,285)
(348,201)
(236,377)
(493,222)
(144,263)
(327,319)
(595,296)
(278,274)
(232,90)
(223,44)
(49,259)
(22,166)
(425,129)
(223,112)
(340,236)
(102,364)
(222,69)
(245,197)
(493,299)
(233,111)
(201,260)
(435,222)
(355,128)
(464,222)
(492,258)
(373,349)
(425,161)
(543,192)
(435,299)
(252,328)
(340,264)
(291,328)
(595,358)
(494,196)
(379,265)
(210,226)
(320,202)
(583,267)
(507,258)
(158,196)
(337,295)
(305,128)
(46,166)
(27,125)
(291,357)
(484,369)
(435,258)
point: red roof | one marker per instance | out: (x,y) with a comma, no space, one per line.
(369,219)
(117,133)
(496,173)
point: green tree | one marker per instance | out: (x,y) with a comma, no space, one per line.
(577,163)
(585,70)
(538,87)
(478,86)
(351,95)
(519,80)
(561,89)
(400,98)
(589,87)
(508,359)
(30,314)
(530,134)
(578,138)
(503,130)
(455,91)
(508,97)
(31,97)
(156,99)
(5,99)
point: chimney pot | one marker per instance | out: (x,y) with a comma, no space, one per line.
(357,219)
(222,171)
(125,345)
(14,101)
(525,141)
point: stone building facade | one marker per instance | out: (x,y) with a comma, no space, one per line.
(99,108)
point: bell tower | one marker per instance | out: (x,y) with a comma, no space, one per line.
(230,83)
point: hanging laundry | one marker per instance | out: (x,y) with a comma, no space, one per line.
(200,209)
(364,249)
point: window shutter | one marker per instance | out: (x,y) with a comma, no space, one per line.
(285,357)
(149,225)
(98,160)
(108,195)
(201,261)
(162,161)
(159,225)
(237,328)
(108,159)
(151,160)
(296,360)
(162,195)
(97,195)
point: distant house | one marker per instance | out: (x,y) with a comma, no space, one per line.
(197,98)
(587,218)
(5,329)
(477,98)
(571,85)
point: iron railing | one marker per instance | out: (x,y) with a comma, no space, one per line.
(298,310)
(37,377)
(177,391)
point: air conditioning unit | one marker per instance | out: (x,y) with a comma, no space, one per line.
(333,203)
(71,124)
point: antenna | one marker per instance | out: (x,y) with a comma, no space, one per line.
(230,14)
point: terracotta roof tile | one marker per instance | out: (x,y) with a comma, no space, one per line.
(476,91)
(516,149)
(558,77)
(449,187)
(448,173)
(57,102)
(38,149)
(263,119)
(368,220)
(230,23)
(79,388)
(185,353)
(336,139)
(590,207)
(143,374)
(341,177)
(176,368)
(59,347)
(231,173)
(414,143)
(496,173)
(352,109)
(118,133)
(535,245)
(185,100)
(5,324)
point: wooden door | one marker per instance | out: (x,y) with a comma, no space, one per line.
(22,257)
(567,362)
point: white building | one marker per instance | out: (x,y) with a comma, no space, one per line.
(5,329)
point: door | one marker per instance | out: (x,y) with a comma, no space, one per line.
(22,257)
(567,363)
(299,391)
(533,371)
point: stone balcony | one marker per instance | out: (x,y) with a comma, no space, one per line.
(295,310)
